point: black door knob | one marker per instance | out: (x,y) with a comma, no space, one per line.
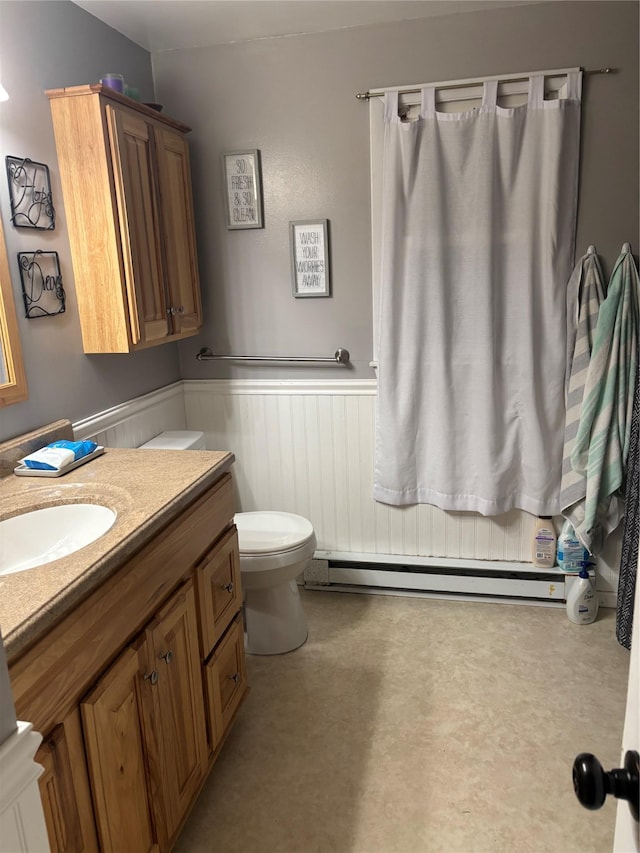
(592,783)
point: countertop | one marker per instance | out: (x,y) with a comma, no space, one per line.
(146,489)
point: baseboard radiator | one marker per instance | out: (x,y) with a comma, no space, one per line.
(435,577)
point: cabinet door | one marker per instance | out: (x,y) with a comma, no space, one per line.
(64,789)
(134,173)
(178,230)
(117,733)
(219,590)
(226,678)
(174,640)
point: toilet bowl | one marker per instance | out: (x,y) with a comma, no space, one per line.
(275,547)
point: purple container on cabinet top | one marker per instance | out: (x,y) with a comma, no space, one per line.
(113,81)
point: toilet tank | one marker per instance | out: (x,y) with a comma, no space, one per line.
(176,440)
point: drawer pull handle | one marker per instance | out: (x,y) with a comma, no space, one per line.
(229,588)
(152,677)
(168,657)
(235,677)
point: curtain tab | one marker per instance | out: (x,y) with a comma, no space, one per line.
(490,94)
(390,106)
(536,90)
(428,107)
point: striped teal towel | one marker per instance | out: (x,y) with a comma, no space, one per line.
(602,440)
(585,293)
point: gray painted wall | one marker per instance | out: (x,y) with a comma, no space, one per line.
(44,45)
(293,98)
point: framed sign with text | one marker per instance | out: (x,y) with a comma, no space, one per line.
(310,257)
(242,189)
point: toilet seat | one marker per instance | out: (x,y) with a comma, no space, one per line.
(263,534)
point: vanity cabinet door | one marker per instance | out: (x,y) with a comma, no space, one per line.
(178,230)
(219,590)
(145,732)
(132,153)
(64,789)
(173,636)
(118,728)
(226,679)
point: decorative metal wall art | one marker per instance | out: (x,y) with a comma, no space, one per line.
(42,288)
(30,194)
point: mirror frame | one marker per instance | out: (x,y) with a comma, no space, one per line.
(15,390)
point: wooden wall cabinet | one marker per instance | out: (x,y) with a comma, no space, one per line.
(133,709)
(126,183)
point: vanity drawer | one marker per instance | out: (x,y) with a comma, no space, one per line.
(226,680)
(219,590)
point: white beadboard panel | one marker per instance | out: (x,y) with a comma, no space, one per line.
(132,423)
(308,447)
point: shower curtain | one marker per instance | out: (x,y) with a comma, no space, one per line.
(478,226)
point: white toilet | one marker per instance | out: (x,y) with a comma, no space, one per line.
(275,548)
(180,439)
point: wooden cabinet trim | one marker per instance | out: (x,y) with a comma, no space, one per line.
(97,90)
(89,200)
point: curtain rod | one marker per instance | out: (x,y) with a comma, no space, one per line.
(476,81)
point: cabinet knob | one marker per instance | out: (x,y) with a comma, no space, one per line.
(181,309)
(167,657)
(171,310)
(152,677)
(235,677)
(592,783)
(228,587)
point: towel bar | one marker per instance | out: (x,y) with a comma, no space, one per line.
(340,357)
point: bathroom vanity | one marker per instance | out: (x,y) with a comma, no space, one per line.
(128,656)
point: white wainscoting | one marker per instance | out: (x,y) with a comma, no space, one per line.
(132,423)
(307,446)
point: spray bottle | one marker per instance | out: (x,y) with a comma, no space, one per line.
(571,551)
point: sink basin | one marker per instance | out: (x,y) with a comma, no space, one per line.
(43,535)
